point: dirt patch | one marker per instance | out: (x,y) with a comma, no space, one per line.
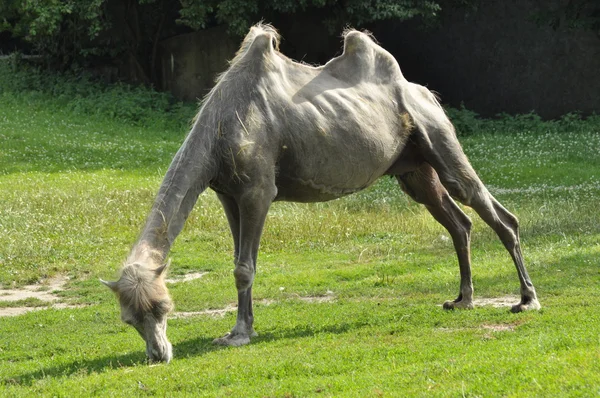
(44,291)
(16,311)
(216,313)
(219,313)
(316,299)
(496,302)
(186,277)
(502,327)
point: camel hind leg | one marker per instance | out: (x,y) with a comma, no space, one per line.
(506,226)
(445,154)
(424,186)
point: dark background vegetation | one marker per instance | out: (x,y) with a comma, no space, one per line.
(513,56)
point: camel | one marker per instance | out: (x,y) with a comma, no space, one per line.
(275,129)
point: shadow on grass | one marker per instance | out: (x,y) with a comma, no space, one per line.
(579,267)
(77,367)
(191,348)
(308,331)
(194,347)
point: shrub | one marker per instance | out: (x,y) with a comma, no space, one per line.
(82,94)
(465,121)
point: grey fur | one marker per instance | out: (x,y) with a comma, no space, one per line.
(274,129)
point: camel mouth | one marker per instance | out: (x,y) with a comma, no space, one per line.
(163,354)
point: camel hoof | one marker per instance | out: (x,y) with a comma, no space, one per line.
(529,305)
(462,305)
(232,340)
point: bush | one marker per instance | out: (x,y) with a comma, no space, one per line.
(81,94)
(465,121)
(142,106)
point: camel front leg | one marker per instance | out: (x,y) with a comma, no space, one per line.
(253,208)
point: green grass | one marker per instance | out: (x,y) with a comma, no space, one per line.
(74,192)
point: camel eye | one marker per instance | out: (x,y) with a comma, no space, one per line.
(161,308)
(129,320)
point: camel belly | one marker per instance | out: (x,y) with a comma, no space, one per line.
(307,191)
(323,172)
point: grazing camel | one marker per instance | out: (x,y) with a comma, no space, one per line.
(275,129)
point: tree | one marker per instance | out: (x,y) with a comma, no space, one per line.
(574,14)
(77,33)
(240,14)
(60,30)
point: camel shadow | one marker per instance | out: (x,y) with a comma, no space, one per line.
(585,268)
(189,348)
(306,331)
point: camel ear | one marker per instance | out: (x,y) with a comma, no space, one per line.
(162,269)
(111,285)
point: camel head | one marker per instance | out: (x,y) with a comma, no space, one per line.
(145,304)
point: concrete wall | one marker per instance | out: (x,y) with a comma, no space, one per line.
(499,60)
(190,63)
(495,60)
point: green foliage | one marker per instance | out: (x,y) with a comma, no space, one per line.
(361,12)
(468,122)
(465,121)
(582,14)
(239,15)
(60,30)
(347,292)
(81,94)
(85,32)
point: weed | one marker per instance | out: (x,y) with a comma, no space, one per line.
(82,95)
(74,192)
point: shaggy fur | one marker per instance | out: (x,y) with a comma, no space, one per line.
(275,129)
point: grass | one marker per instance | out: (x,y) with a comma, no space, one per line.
(74,192)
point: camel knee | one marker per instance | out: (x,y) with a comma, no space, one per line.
(466,225)
(509,223)
(510,239)
(461,235)
(461,223)
(511,220)
(244,275)
(457,191)
(507,231)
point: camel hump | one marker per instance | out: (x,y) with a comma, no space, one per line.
(370,61)
(357,42)
(261,39)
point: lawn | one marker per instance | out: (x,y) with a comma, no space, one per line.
(348,293)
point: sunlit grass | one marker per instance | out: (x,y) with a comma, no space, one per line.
(74,193)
